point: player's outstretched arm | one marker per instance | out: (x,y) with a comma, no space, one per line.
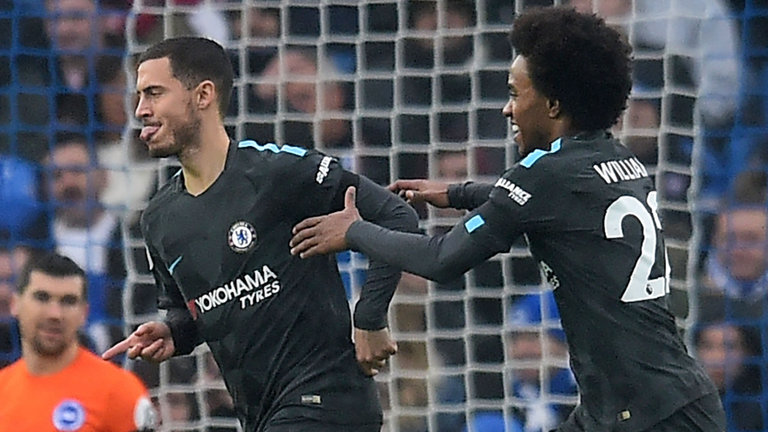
(420,190)
(151,341)
(465,196)
(441,258)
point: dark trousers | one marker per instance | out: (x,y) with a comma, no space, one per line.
(702,415)
(305,425)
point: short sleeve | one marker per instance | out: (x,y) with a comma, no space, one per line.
(130,408)
(526,195)
(308,186)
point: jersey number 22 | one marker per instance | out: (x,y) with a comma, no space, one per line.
(639,287)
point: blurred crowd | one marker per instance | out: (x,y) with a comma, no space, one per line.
(403,100)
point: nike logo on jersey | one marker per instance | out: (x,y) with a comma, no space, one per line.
(621,170)
(173,265)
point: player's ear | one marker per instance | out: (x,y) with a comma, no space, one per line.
(205,94)
(553,108)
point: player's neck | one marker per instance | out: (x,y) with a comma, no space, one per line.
(203,165)
(46,365)
(563,128)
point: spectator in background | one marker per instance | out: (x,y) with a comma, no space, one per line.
(262,25)
(735,273)
(23,228)
(110,99)
(732,304)
(74,32)
(421,52)
(12,260)
(641,122)
(197,17)
(180,408)
(451,167)
(302,81)
(21,215)
(425,48)
(89,233)
(730,354)
(29,106)
(738,266)
(423,17)
(56,71)
(639,127)
(57,384)
(132,176)
(539,360)
(74,35)
(538,356)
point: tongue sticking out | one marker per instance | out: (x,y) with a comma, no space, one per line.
(147,132)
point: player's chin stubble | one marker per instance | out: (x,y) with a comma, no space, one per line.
(183,136)
(44,349)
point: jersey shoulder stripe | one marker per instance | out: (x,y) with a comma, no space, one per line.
(272,147)
(537,154)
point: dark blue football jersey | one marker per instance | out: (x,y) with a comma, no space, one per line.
(588,209)
(278,326)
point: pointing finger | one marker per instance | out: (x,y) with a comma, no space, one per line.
(116,349)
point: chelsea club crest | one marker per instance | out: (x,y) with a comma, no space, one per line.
(242,237)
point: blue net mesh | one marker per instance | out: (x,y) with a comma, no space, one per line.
(58,63)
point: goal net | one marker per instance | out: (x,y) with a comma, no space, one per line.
(412,89)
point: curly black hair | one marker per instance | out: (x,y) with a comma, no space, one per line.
(578,60)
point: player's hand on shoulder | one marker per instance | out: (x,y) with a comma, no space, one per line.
(373,348)
(325,234)
(151,341)
(420,190)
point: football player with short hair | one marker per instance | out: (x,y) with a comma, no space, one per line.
(217,236)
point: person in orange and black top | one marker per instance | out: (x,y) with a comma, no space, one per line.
(58,385)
